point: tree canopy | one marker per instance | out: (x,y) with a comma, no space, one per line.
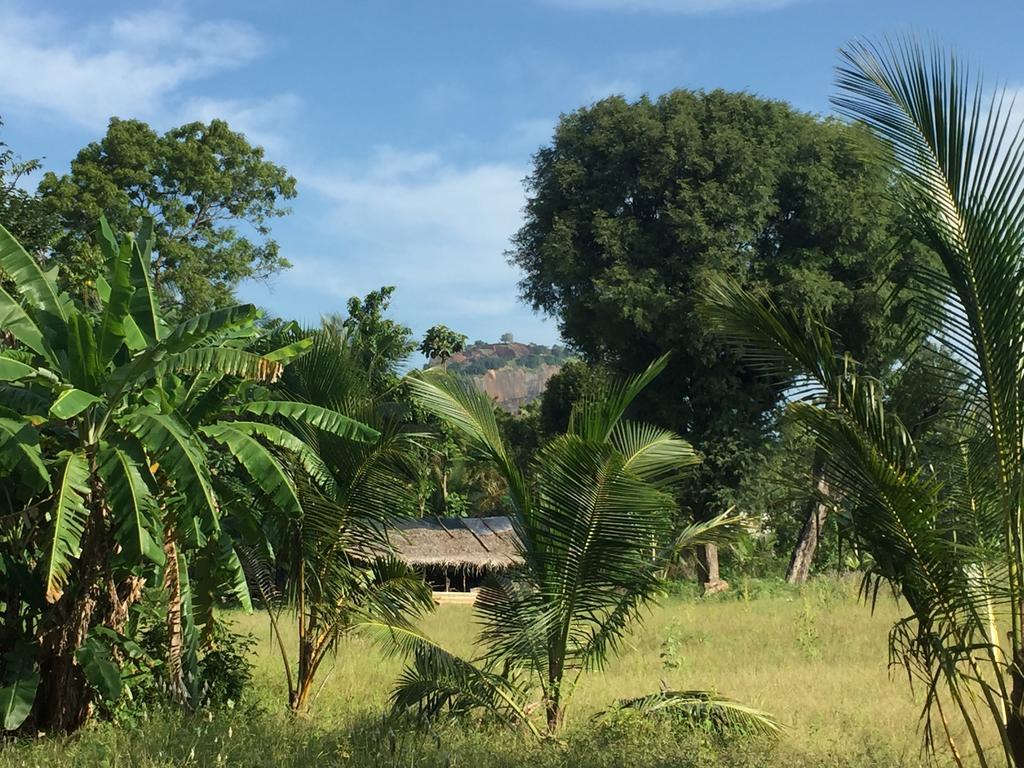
(21,212)
(211,195)
(635,205)
(440,342)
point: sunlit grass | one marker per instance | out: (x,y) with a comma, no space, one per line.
(815,658)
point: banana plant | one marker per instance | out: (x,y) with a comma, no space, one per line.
(107,482)
(594,520)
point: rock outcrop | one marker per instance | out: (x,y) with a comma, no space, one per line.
(511,373)
(513,387)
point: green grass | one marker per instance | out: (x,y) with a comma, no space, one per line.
(815,658)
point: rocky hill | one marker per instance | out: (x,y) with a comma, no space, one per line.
(512,373)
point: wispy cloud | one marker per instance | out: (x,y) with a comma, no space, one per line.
(619,86)
(131,65)
(264,122)
(415,220)
(672,6)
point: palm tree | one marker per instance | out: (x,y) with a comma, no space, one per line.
(339,573)
(594,519)
(950,540)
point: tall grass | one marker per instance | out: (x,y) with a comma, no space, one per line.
(814,657)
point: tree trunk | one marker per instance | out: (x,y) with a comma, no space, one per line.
(708,575)
(64,698)
(555,715)
(1015,719)
(814,522)
(175,623)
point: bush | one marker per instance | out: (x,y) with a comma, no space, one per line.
(225,669)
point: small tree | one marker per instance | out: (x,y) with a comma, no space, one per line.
(440,343)
(948,537)
(332,551)
(592,521)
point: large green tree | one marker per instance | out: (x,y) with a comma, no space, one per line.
(25,215)
(634,206)
(210,193)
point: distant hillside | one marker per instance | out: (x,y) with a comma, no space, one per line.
(510,372)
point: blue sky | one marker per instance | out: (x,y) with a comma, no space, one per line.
(410,125)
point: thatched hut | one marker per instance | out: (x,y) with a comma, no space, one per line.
(455,553)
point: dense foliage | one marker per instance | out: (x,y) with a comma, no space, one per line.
(200,183)
(634,206)
(24,214)
(109,417)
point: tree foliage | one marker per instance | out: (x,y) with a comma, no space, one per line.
(210,193)
(440,343)
(634,206)
(119,436)
(381,345)
(24,214)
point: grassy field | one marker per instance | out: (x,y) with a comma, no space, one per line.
(816,658)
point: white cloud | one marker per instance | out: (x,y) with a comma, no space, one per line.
(131,65)
(263,122)
(672,6)
(414,220)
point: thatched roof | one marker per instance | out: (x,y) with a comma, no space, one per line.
(469,542)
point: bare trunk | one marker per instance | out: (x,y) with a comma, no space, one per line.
(312,650)
(175,626)
(814,522)
(1015,720)
(553,711)
(555,715)
(302,695)
(708,575)
(64,698)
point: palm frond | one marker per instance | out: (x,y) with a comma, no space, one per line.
(180,456)
(704,710)
(316,416)
(37,287)
(596,416)
(725,528)
(260,464)
(132,507)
